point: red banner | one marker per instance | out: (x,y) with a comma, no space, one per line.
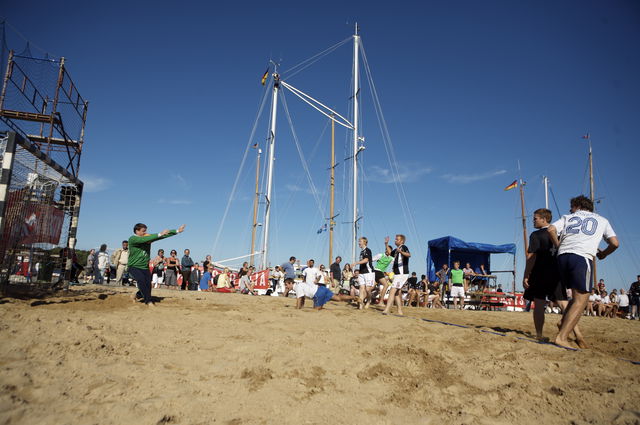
(29,222)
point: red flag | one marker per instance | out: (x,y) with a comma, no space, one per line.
(512,185)
(586,136)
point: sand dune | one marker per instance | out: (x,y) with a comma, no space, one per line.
(91,356)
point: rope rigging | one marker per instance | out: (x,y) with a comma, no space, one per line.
(388,145)
(240,169)
(313,59)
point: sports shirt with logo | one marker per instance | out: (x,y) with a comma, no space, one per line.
(580,233)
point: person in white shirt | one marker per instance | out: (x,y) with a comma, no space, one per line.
(578,236)
(594,300)
(605,304)
(103,263)
(623,303)
(318,293)
(311,273)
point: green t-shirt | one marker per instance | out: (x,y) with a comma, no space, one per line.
(383,262)
(140,248)
(457,276)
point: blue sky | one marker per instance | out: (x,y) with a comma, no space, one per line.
(467,89)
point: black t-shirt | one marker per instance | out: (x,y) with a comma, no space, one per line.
(634,290)
(413,282)
(353,282)
(400,262)
(432,288)
(368,266)
(336,272)
(546,267)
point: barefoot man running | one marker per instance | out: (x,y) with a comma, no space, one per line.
(580,234)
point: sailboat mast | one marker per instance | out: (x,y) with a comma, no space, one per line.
(591,191)
(593,200)
(356,90)
(271,143)
(545,179)
(524,218)
(255,211)
(333,184)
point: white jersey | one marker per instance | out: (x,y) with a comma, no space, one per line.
(581,232)
(311,275)
(305,289)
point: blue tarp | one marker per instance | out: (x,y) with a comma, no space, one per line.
(448,249)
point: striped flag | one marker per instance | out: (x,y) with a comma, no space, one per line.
(586,136)
(264,76)
(512,185)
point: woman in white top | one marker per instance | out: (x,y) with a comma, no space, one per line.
(103,263)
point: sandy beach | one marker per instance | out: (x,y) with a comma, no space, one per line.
(91,356)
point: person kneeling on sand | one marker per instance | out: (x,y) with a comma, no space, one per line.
(245,285)
(138,262)
(318,293)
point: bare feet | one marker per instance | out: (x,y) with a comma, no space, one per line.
(150,304)
(134,298)
(542,339)
(563,343)
(582,343)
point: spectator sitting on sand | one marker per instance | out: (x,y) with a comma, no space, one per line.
(204,280)
(354,284)
(245,285)
(224,281)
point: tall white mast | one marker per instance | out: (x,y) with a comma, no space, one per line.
(545,179)
(356,92)
(271,144)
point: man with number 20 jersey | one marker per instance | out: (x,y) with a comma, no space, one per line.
(579,235)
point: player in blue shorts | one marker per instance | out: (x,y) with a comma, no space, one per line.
(578,236)
(320,294)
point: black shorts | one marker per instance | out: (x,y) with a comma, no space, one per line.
(633,300)
(379,275)
(545,287)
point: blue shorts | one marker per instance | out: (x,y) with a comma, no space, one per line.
(323,295)
(576,272)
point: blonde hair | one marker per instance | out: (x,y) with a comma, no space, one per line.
(366,241)
(404,238)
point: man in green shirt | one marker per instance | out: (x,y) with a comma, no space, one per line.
(457,285)
(139,255)
(380,270)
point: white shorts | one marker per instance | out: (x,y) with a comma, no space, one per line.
(155,279)
(457,291)
(399,280)
(367,279)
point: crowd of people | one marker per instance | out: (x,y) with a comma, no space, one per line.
(558,271)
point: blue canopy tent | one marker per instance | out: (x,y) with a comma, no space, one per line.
(449,249)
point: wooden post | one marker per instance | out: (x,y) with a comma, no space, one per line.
(255,211)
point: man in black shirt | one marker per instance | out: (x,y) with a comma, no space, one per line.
(541,277)
(401,273)
(336,275)
(634,298)
(367,275)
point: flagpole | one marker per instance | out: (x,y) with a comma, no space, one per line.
(356,89)
(332,183)
(546,191)
(271,143)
